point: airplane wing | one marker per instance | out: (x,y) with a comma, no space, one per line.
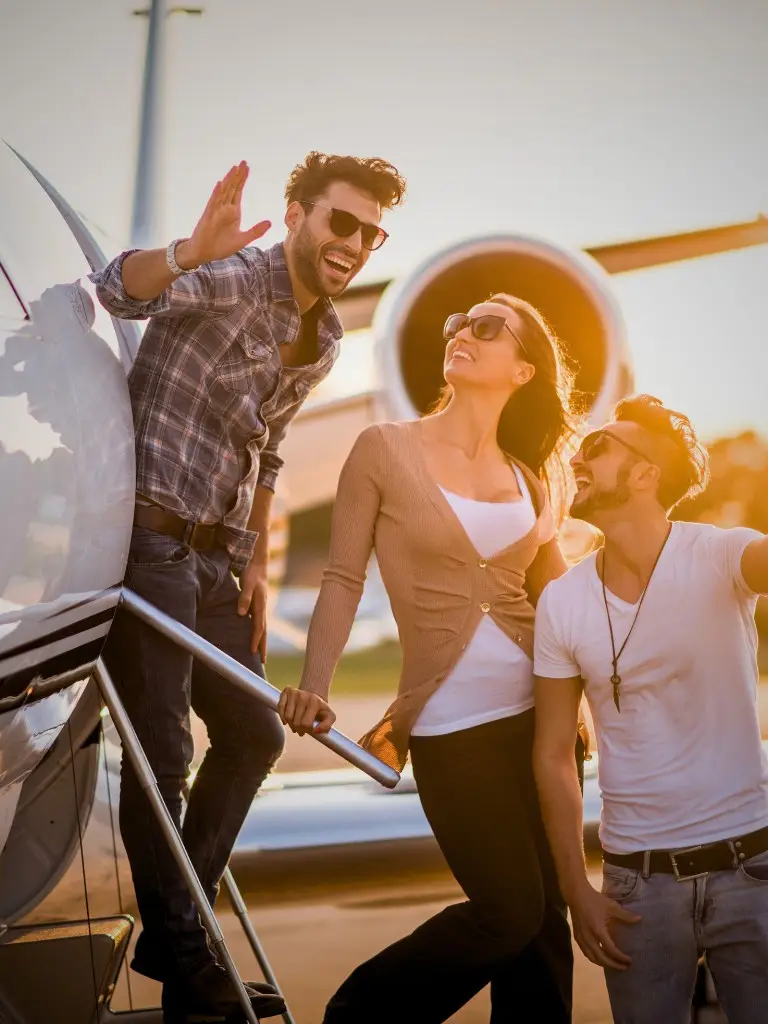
(356,306)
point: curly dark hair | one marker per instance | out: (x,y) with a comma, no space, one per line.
(683,461)
(312,178)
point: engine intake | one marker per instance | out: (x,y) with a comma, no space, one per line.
(570,289)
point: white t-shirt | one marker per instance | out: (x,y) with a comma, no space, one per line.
(683,762)
(494,677)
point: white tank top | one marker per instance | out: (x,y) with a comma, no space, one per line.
(493,678)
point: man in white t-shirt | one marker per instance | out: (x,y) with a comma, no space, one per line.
(657,629)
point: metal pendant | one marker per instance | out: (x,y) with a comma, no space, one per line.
(616,683)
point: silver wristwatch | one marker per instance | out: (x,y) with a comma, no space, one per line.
(170,258)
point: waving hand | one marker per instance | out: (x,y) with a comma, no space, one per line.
(218,233)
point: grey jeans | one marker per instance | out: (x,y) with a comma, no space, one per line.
(723,914)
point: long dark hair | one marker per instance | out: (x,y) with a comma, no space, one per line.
(538,422)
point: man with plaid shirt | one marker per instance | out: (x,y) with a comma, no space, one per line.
(237,338)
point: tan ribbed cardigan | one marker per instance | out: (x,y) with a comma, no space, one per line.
(438,585)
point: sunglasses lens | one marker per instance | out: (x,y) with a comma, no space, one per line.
(455,323)
(343,224)
(592,446)
(373,237)
(486,328)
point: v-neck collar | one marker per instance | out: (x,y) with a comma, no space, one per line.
(443,506)
(614,598)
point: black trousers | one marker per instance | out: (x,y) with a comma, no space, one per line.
(479,795)
(159,683)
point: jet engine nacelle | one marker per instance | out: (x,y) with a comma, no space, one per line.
(571,289)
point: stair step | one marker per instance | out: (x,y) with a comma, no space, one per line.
(59,972)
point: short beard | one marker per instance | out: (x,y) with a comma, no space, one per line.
(306,256)
(602,501)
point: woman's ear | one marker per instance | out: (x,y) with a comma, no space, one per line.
(524,373)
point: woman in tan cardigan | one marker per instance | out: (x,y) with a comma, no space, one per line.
(454,507)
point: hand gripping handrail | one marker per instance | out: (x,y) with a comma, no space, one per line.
(248,681)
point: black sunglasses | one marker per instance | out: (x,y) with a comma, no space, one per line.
(594,444)
(343,224)
(485,328)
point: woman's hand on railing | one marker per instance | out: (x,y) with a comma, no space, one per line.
(301,709)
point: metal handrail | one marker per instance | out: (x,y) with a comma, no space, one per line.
(148,783)
(252,683)
(240,910)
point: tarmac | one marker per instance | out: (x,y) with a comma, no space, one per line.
(312,949)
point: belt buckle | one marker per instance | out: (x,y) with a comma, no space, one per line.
(679,853)
(191,535)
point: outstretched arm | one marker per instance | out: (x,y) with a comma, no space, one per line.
(754,565)
(352,534)
(139,283)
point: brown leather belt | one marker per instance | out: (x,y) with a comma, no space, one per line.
(695,860)
(198,536)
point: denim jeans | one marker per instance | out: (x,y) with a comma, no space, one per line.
(158,682)
(723,914)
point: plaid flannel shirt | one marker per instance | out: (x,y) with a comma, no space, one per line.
(211,399)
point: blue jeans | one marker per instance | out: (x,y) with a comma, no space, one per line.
(158,683)
(723,914)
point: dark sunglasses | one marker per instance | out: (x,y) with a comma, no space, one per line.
(485,328)
(594,444)
(343,224)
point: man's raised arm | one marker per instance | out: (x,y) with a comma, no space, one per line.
(142,283)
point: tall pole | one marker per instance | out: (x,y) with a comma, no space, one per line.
(146,216)
(146,198)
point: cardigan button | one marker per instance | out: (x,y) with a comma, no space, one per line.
(482,563)
(485,608)
(518,639)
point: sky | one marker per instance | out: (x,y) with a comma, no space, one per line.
(581,123)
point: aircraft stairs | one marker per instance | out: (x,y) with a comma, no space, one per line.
(66,973)
(79,961)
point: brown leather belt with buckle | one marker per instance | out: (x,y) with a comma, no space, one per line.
(695,861)
(198,536)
